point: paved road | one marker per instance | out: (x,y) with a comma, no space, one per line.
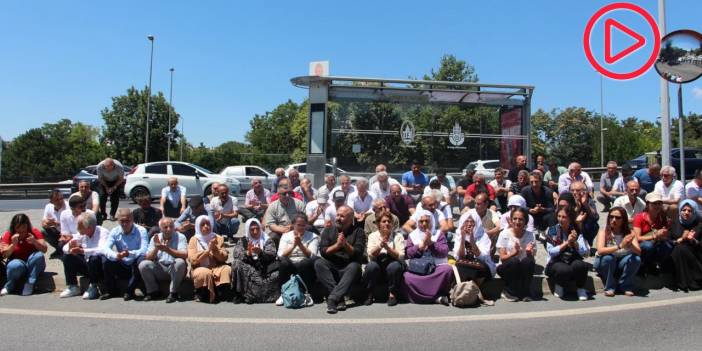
(670,321)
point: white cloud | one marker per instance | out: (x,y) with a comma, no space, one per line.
(697,93)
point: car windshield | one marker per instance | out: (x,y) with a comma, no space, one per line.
(203,170)
(471,166)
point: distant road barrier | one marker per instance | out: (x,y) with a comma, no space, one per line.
(31,190)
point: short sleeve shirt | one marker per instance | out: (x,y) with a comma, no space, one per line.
(507,239)
(173,196)
(408,178)
(111,176)
(228,207)
(23,248)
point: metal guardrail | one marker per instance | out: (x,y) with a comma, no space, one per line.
(28,190)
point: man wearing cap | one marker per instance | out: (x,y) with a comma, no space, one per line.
(315,210)
(186,222)
(651,229)
(256,201)
(278,218)
(339,199)
(631,202)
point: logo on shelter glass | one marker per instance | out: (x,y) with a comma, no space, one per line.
(407,132)
(456,137)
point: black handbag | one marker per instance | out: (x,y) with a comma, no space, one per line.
(424,265)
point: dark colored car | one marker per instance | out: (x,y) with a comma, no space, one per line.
(89,173)
(693,160)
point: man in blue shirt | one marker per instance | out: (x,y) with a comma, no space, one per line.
(649,177)
(414,181)
(124,249)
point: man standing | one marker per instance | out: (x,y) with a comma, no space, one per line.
(520,165)
(631,202)
(83,255)
(342,248)
(111,180)
(124,249)
(648,177)
(414,181)
(226,214)
(607,191)
(278,218)
(164,261)
(256,201)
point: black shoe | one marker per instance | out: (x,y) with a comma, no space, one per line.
(55,255)
(392,301)
(341,305)
(369,300)
(249,301)
(106,296)
(331,307)
(153,296)
(172,297)
(128,296)
(443,300)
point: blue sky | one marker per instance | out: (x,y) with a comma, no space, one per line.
(233,59)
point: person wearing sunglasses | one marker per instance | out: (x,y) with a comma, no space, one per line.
(617,259)
(652,231)
(278,217)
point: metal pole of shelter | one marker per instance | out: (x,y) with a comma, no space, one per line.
(1,148)
(148,100)
(665,98)
(182,136)
(170,130)
(601,121)
(681,125)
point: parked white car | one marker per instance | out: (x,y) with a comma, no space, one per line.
(149,178)
(484,167)
(245,174)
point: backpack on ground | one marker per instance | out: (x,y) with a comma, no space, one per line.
(464,294)
(293,294)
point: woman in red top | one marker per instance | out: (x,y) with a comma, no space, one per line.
(24,247)
(651,229)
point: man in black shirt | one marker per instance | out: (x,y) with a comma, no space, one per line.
(342,248)
(146,215)
(539,199)
(521,165)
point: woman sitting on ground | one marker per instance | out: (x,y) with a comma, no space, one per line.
(208,259)
(651,228)
(566,248)
(617,254)
(517,249)
(255,269)
(386,258)
(687,253)
(297,251)
(472,254)
(427,241)
(24,247)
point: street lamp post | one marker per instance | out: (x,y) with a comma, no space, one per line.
(148,100)
(170,103)
(182,137)
(665,98)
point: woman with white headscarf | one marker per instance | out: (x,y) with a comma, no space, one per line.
(255,268)
(208,259)
(423,242)
(472,252)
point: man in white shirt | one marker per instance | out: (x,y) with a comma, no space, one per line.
(380,189)
(315,210)
(693,189)
(69,218)
(329,184)
(671,189)
(173,202)
(226,214)
(361,201)
(631,202)
(83,255)
(501,186)
(51,221)
(164,261)
(345,186)
(430,204)
(575,174)
(378,169)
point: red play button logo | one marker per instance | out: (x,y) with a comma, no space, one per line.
(608,56)
(611,24)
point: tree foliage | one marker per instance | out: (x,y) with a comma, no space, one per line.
(124,131)
(53,152)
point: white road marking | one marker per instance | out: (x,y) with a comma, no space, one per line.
(357,321)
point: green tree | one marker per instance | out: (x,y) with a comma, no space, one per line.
(452,69)
(54,152)
(124,131)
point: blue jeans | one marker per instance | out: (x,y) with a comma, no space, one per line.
(653,252)
(228,226)
(610,267)
(18,270)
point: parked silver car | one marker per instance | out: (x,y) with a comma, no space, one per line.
(485,168)
(149,178)
(245,174)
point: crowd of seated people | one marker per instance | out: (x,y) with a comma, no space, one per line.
(398,236)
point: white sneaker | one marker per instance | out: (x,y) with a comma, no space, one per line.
(279,301)
(582,294)
(558,291)
(308,300)
(28,289)
(71,290)
(91,293)
(3,292)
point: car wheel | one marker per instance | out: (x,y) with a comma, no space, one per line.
(138,192)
